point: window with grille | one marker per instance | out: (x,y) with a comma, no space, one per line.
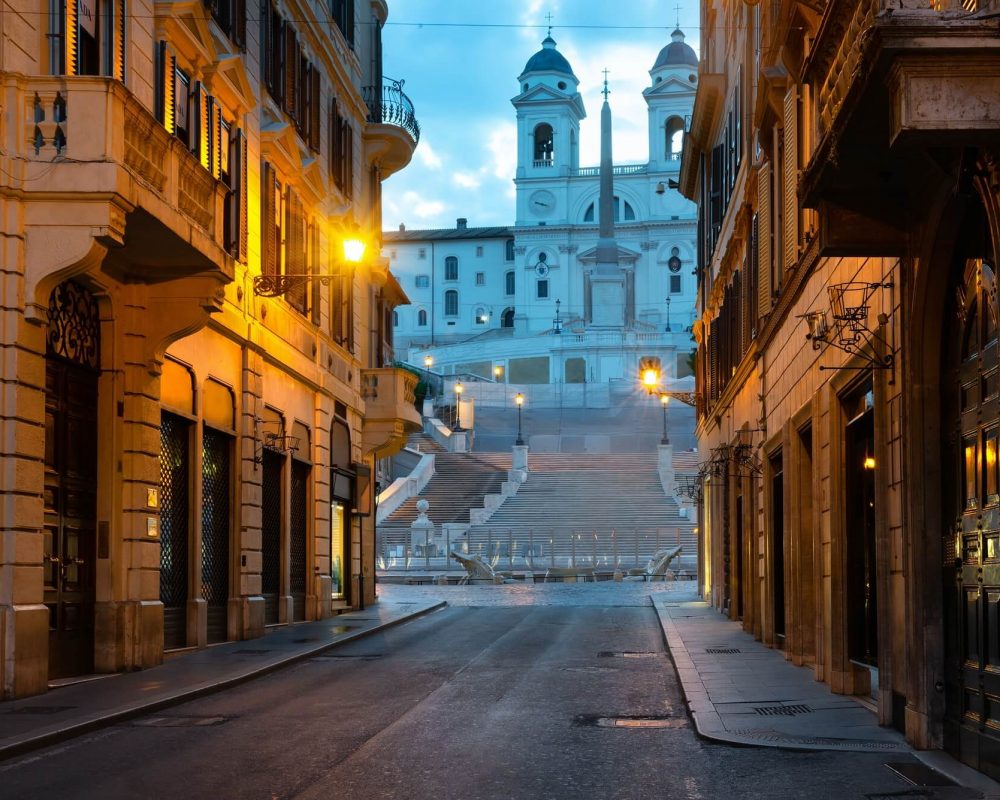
(451,303)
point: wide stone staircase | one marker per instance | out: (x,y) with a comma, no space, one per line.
(588,510)
(460,482)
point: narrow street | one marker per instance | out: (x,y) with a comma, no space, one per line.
(474,701)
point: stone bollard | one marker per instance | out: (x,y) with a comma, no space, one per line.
(421,529)
(618,577)
(441,580)
(498,579)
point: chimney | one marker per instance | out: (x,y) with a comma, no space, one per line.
(463,223)
(402,227)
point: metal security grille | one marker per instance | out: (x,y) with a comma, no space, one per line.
(271,533)
(174,452)
(215,481)
(297,535)
(74,331)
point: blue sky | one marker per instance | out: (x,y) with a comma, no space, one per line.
(461,80)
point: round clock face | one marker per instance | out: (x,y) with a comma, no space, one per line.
(542,203)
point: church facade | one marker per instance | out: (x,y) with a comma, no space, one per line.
(524,298)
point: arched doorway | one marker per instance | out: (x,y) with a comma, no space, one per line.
(971,505)
(72,368)
(507,318)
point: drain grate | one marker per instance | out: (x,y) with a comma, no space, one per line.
(633,722)
(178,722)
(782,711)
(41,710)
(919,774)
(626,654)
(722,651)
(250,652)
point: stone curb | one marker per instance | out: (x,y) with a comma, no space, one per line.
(105,719)
(707,722)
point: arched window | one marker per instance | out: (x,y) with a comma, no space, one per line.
(422,318)
(481,317)
(629,212)
(508,283)
(451,268)
(395,319)
(507,318)
(451,303)
(544,147)
(674,135)
(509,250)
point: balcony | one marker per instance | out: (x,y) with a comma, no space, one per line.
(891,79)
(390,415)
(141,192)
(392,133)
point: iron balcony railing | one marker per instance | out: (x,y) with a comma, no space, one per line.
(389,105)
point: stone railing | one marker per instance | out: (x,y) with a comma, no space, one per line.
(72,124)
(625,169)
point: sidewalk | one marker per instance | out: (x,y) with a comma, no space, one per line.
(35,722)
(741,692)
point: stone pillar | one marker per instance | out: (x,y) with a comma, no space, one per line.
(519,457)
(246,610)
(665,466)
(421,529)
(428,410)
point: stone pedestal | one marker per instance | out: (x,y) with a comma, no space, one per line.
(428,409)
(607,292)
(519,457)
(665,466)
(421,529)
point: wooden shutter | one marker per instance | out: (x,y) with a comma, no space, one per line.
(764,223)
(348,159)
(314,110)
(291,61)
(214,120)
(201,125)
(791,178)
(71,43)
(166,74)
(236,235)
(239,23)
(268,262)
(120,43)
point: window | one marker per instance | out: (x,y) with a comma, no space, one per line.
(509,250)
(422,281)
(479,251)
(422,318)
(395,319)
(342,12)
(341,151)
(232,18)
(629,212)
(675,284)
(542,289)
(290,77)
(480,279)
(481,317)
(88,38)
(451,303)
(422,253)
(543,145)
(451,268)
(508,283)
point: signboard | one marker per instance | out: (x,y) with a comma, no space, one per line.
(87,9)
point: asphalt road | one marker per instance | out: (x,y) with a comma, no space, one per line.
(469,702)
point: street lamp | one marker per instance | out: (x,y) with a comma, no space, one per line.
(557,322)
(353,248)
(668,315)
(497,373)
(664,402)
(428,362)
(458,405)
(519,400)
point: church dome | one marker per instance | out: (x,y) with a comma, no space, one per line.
(677,53)
(548,59)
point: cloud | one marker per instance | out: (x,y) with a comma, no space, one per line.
(466,180)
(422,207)
(430,159)
(502,146)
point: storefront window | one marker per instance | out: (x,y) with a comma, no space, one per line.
(337,517)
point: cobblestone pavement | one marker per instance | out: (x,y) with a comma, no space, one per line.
(602,593)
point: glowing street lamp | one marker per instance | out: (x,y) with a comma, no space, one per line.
(519,401)
(664,402)
(428,362)
(497,373)
(458,405)
(353,249)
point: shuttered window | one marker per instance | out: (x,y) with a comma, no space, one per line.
(235,176)
(341,151)
(791,178)
(231,15)
(764,223)
(295,251)
(88,37)
(342,12)
(270,190)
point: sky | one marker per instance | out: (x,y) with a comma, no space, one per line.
(460,60)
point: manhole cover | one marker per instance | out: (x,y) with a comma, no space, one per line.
(919,774)
(782,711)
(250,652)
(722,651)
(41,710)
(178,722)
(625,654)
(641,722)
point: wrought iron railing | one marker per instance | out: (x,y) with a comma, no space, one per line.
(389,105)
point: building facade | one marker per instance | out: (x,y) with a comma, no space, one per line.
(512,288)
(845,164)
(199,378)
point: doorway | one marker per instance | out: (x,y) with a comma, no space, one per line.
(298,534)
(738,544)
(72,367)
(175,436)
(778,550)
(215,493)
(271,513)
